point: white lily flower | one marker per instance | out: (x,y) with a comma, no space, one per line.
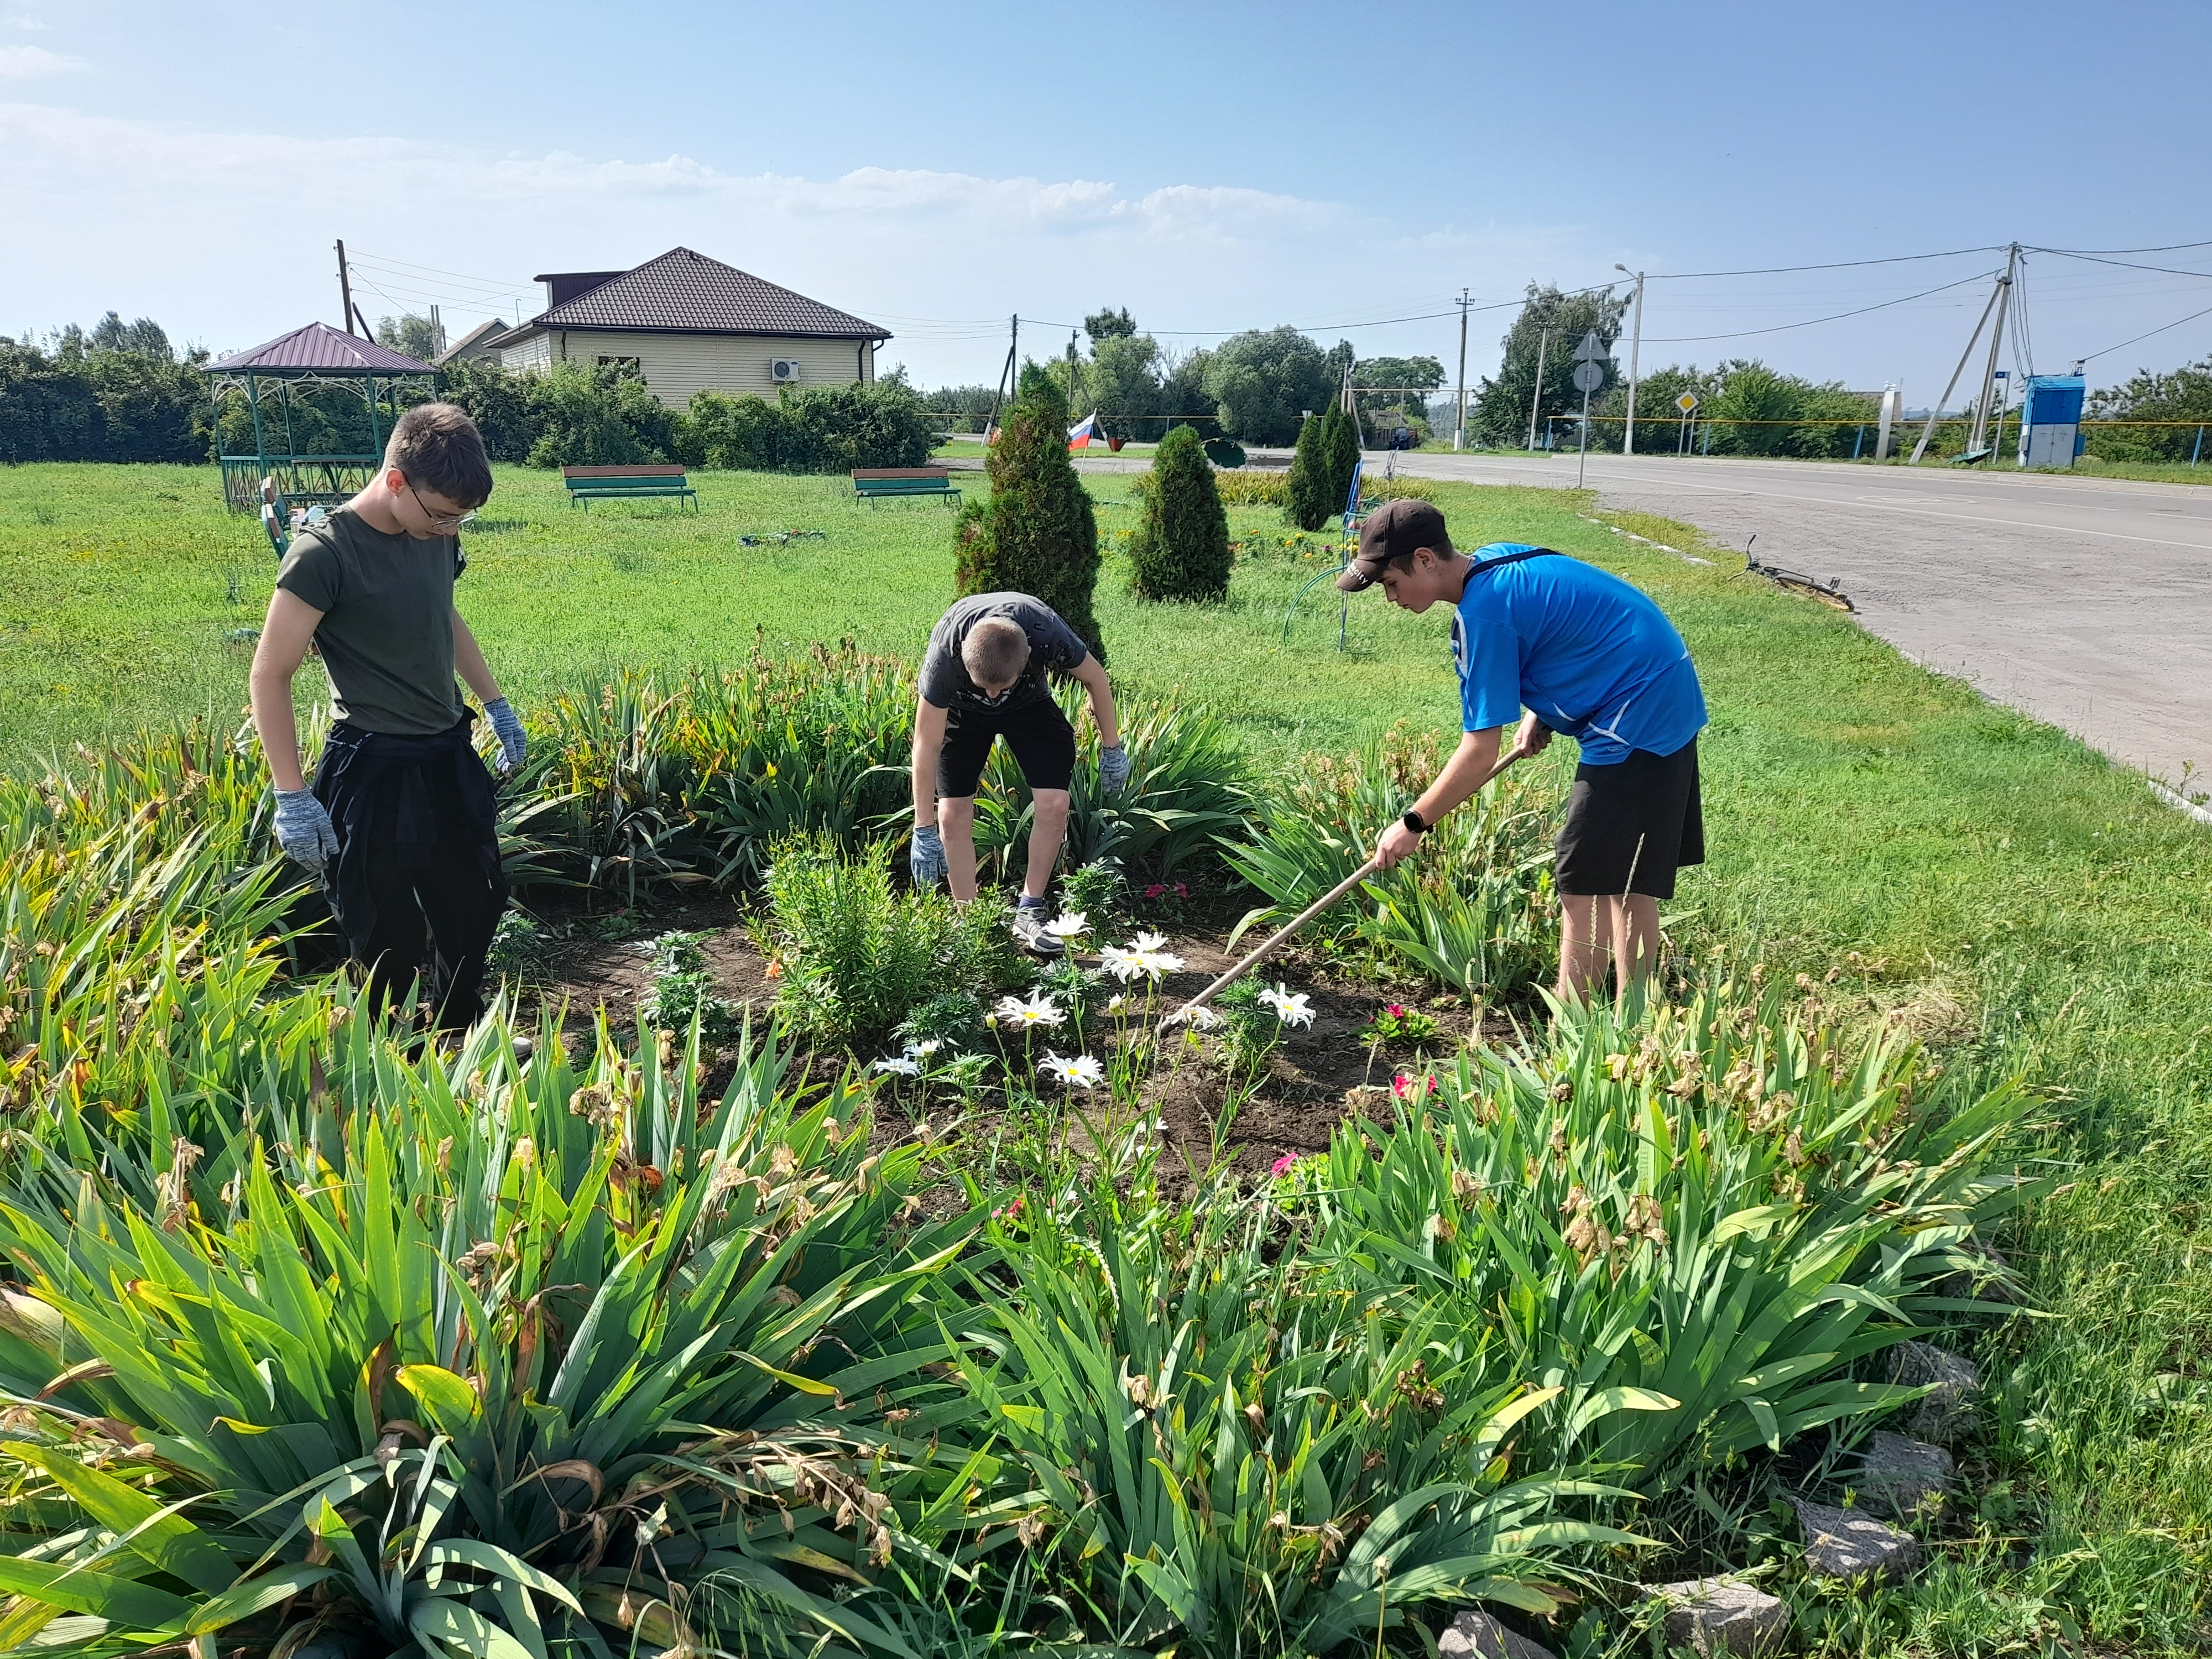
(1078,1071)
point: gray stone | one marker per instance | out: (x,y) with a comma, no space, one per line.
(1946,1413)
(1901,1477)
(1477,1633)
(1720,1615)
(1851,1544)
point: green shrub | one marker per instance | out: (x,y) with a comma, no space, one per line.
(1181,546)
(1396,489)
(859,955)
(498,400)
(818,428)
(1217,1450)
(1473,910)
(1189,784)
(1252,487)
(602,415)
(1340,451)
(1306,502)
(418,1353)
(1036,534)
(683,991)
(1718,1210)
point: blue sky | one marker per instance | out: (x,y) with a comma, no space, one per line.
(1212,167)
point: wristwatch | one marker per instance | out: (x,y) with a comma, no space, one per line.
(1413,821)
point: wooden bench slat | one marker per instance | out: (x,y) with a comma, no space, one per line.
(642,470)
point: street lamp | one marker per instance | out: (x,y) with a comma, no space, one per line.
(1635,351)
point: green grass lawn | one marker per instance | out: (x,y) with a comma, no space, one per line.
(2018,899)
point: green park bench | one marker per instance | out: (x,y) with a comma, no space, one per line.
(875,483)
(589,484)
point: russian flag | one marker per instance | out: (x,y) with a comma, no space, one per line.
(1079,436)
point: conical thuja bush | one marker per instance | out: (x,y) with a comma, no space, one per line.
(1037,534)
(1181,548)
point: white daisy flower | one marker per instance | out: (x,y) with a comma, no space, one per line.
(903,1067)
(923,1049)
(1291,1009)
(1120,961)
(1153,964)
(1148,941)
(1079,1071)
(1072,924)
(1116,1003)
(1203,1019)
(1024,1015)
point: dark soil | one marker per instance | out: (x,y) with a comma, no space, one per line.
(1315,1077)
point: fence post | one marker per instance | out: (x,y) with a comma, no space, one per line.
(1857,442)
(2199,449)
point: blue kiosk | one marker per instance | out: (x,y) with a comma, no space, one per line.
(2051,419)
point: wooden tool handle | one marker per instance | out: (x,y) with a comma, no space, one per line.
(1251,958)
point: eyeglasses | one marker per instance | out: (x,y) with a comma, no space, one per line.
(450,520)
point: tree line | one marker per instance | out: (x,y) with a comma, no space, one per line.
(1258,386)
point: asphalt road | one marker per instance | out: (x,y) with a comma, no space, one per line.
(2085,602)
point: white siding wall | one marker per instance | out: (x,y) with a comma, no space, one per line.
(535,353)
(677,365)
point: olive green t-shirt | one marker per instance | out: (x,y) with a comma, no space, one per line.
(386,634)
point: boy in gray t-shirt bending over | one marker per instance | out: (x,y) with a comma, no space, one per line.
(983,678)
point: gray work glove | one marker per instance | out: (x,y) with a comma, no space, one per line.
(925,858)
(1114,770)
(304,830)
(513,744)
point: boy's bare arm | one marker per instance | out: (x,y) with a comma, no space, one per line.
(1092,673)
(928,744)
(468,662)
(285,634)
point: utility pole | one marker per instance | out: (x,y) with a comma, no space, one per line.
(1950,385)
(345,288)
(1536,396)
(437,334)
(1989,370)
(1635,351)
(1458,431)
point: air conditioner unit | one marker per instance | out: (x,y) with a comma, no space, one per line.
(784,368)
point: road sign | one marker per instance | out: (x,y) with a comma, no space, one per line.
(1686,402)
(1590,351)
(1589,376)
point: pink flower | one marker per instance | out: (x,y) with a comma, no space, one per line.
(1008,1212)
(1401,1086)
(1156,890)
(1283,1165)
(1182,892)
(1396,1010)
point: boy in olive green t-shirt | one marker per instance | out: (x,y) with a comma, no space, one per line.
(401,822)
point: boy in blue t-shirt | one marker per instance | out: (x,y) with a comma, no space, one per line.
(1583,653)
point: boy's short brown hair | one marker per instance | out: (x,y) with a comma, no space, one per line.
(439,448)
(995,651)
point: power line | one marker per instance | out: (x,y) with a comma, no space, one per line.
(2126,265)
(1811,322)
(2124,344)
(2084,253)
(1833,265)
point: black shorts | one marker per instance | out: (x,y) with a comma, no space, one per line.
(1630,826)
(1042,742)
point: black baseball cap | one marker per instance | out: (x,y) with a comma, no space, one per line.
(1392,531)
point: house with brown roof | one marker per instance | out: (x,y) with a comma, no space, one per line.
(691,324)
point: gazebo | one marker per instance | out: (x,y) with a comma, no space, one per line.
(317,354)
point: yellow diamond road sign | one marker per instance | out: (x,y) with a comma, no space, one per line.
(1686,402)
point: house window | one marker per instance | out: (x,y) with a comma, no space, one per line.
(629,363)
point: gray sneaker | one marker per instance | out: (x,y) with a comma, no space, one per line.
(1028,922)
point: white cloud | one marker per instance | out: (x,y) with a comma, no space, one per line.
(24,61)
(29,24)
(942,257)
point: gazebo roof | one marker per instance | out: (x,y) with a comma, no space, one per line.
(318,349)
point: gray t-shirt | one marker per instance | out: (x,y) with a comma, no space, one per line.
(1053,645)
(386,634)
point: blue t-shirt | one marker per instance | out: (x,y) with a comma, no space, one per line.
(1592,655)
